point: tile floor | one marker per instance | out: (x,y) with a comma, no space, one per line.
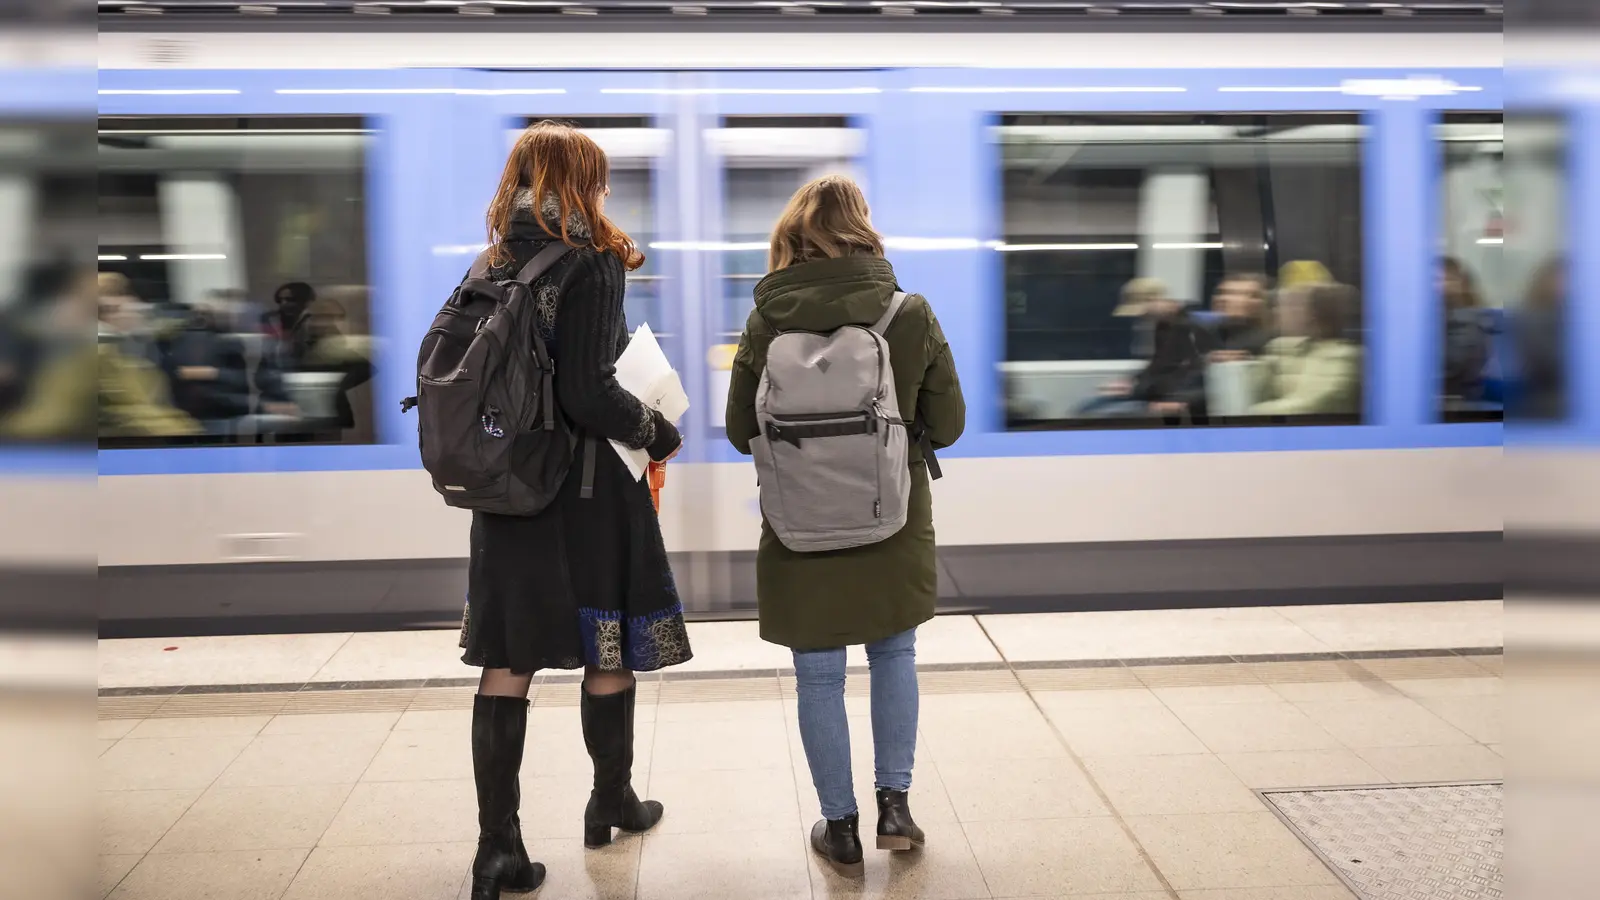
(1119,783)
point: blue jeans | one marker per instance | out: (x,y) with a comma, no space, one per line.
(825,730)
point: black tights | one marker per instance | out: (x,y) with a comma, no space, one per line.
(505,683)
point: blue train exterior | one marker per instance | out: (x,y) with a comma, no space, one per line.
(932,178)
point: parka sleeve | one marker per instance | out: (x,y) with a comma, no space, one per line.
(941,409)
(740,419)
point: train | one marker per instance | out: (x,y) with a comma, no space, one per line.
(1018,179)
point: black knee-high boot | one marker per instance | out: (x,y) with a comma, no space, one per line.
(499,727)
(608,733)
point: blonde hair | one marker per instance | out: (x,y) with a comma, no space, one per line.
(1138,294)
(113,284)
(826,219)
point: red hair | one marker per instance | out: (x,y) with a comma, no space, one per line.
(556,160)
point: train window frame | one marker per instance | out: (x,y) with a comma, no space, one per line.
(721,144)
(128,258)
(1358,120)
(1565,408)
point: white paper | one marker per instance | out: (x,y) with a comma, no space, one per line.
(644,372)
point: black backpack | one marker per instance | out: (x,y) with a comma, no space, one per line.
(489,428)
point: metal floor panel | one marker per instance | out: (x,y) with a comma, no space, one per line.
(1404,842)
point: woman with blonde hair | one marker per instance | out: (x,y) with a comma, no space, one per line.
(826,271)
(1311,369)
(585,583)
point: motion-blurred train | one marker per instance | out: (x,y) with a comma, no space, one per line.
(1020,179)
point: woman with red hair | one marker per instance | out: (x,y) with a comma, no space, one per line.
(585,583)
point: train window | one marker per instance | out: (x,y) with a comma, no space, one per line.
(1181,269)
(1471,276)
(1534,279)
(47,212)
(765,159)
(634,147)
(233,281)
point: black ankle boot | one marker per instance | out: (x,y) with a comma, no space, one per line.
(896,830)
(839,842)
(608,733)
(499,727)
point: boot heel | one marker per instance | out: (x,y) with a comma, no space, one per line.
(596,836)
(894,842)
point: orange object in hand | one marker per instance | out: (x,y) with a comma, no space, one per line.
(658,480)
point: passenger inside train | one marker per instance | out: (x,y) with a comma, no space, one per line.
(1311,368)
(1172,382)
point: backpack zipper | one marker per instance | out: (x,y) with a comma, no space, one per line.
(820,417)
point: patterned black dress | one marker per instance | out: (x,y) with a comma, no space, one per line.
(587,581)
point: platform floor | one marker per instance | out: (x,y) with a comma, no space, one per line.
(1094,755)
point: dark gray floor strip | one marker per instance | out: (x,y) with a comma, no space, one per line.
(393,595)
(561,677)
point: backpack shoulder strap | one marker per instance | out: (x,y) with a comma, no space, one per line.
(537,266)
(896,303)
(542,261)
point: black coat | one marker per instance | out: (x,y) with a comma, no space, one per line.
(586,581)
(1177,368)
(227,396)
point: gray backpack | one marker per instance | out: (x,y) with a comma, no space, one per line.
(832,454)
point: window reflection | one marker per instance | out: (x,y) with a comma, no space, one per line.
(1536,175)
(1181,270)
(233,291)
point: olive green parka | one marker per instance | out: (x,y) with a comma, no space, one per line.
(814,601)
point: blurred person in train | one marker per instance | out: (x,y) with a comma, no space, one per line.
(1311,368)
(1466,343)
(285,340)
(1172,383)
(826,269)
(135,398)
(25,319)
(206,362)
(585,583)
(1538,327)
(306,335)
(1244,327)
(55,365)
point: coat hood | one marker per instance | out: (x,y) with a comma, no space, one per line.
(825,294)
